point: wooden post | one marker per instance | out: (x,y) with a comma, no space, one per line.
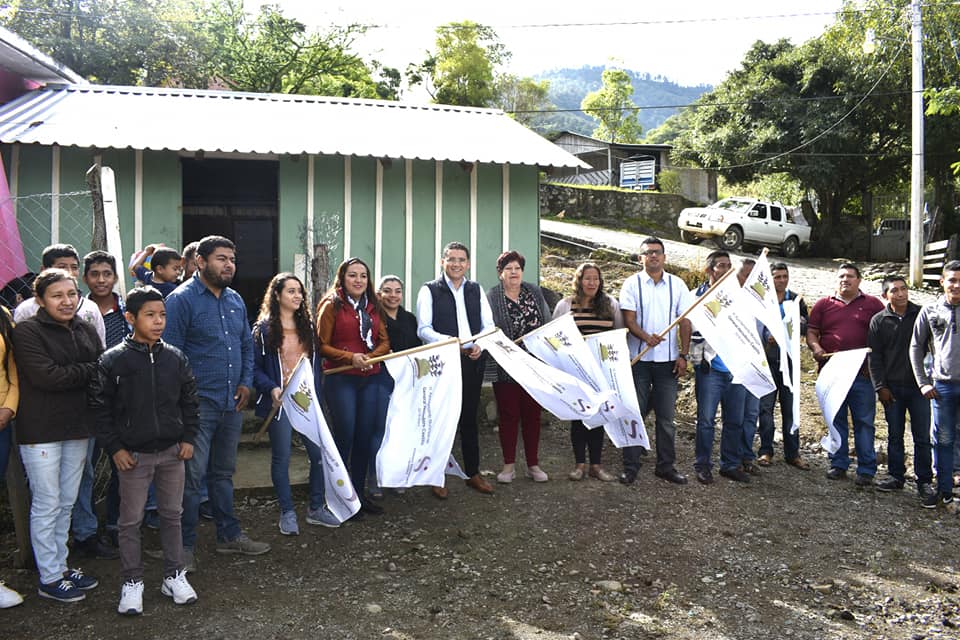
(20,505)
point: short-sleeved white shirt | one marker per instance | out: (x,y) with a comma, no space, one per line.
(656,305)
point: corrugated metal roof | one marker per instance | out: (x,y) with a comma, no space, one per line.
(224,121)
(22,58)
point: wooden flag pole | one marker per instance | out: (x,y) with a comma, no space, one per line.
(390,356)
(666,332)
(273,411)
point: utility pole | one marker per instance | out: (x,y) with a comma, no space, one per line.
(916,168)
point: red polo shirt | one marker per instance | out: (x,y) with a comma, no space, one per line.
(844,325)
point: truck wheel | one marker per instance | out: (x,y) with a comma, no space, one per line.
(690,238)
(732,239)
(791,247)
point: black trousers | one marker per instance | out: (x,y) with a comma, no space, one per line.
(471,372)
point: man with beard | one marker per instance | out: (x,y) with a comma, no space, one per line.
(207,320)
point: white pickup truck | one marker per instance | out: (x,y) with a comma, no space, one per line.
(734,221)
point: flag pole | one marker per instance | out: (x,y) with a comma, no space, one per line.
(273,410)
(666,332)
(390,356)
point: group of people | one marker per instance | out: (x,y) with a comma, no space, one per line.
(159,380)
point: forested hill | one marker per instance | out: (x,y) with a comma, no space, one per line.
(569,86)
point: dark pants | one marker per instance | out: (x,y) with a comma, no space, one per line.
(908,398)
(166,472)
(584,439)
(517,410)
(657,390)
(471,372)
(791,441)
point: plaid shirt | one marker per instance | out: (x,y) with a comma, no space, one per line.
(215,336)
(114,324)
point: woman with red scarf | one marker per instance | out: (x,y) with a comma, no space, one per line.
(351,331)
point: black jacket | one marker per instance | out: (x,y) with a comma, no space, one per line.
(889,341)
(55,364)
(144,399)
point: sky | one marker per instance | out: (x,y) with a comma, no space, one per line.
(690,42)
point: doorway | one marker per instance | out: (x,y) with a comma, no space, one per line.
(238,199)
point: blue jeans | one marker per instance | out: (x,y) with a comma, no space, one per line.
(54,470)
(714,389)
(83,522)
(861,401)
(751,412)
(216,443)
(791,441)
(656,389)
(281,433)
(358,408)
(945,410)
(908,398)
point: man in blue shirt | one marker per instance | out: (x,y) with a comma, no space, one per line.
(207,320)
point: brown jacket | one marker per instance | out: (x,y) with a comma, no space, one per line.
(55,364)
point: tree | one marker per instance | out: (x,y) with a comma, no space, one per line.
(524,99)
(462,68)
(612,106)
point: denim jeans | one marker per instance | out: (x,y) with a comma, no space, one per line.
(945,410)
(281,434)
(54,470)
(5,445)
(861,401)
(716,388)
(83,523)
(216,443)
(751,412)
(791,441)
(358,408)
(908,398)
(656,389)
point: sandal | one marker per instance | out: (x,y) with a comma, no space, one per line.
(765,460)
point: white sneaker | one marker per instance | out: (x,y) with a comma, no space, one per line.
(178,588)
(9,597)
(131,598)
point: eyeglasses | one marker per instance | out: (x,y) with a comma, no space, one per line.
(652,252)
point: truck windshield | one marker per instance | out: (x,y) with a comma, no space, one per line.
(733,204)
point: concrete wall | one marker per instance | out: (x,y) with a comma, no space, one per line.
(654,213)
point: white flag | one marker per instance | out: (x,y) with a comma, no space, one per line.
(762,298)
(453,469)
(422,416)
(726,322)
(560,344)
(833,384)
(613,355)
(561,394)
(791,310)
(303,412)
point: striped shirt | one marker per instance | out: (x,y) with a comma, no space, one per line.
(586,320)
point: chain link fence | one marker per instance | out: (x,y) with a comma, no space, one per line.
(321,259)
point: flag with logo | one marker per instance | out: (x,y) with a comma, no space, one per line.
(422,417)
(560,344)
(761,296)
(566,397)
(730,327)
(834,382)
(791,312)
(13,264)
(303,411)
(613,355)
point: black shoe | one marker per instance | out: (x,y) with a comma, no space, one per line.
(925,490)
(836,473)
(671,475)
(934,499)
(863,481)
(704,476)
(206,510)
(370,507)
(92,547)
(628,477)
(737,474)
(889,484)
(751,468)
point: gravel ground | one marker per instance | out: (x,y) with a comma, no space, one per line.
(789,555)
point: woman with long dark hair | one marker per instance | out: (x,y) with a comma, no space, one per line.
(518,308)
(56,354)
(9,400)
(351,330)
(283,334)
(593,311)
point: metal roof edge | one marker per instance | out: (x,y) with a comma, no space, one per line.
(20,45)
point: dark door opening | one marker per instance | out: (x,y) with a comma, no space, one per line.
(237,199)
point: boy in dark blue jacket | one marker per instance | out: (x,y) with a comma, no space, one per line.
(147,411)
